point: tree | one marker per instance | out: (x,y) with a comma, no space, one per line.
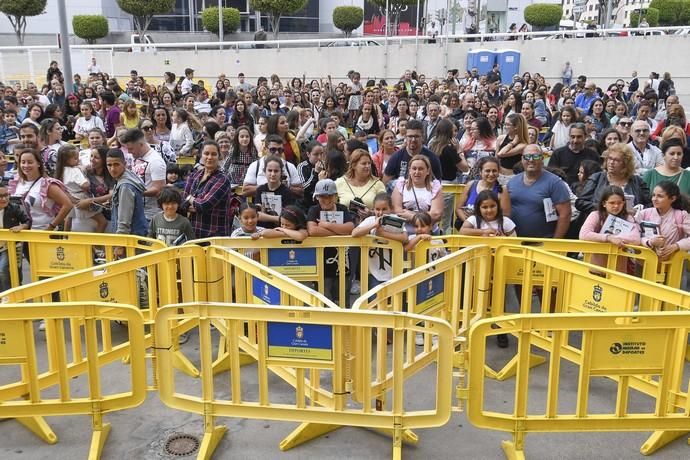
(543,15)
(395,7)
(18,10)
(90,27)
(276,9)
(348,18)
(144,10)
(652,17)
(670,11)
(231,20)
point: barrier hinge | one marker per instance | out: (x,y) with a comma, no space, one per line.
(462,394)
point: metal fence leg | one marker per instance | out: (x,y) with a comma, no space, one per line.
(212,437)
(306,432)
(659,439)
(515,449)
(100,436)
(39,427)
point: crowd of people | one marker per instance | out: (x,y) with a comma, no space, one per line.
(182,158)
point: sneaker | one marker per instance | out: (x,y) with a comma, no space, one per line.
(419,339)
(42,325)
(502,340)
(356,288)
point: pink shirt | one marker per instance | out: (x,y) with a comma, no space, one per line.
(590,232)
(674,226)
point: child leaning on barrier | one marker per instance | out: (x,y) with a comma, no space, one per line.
(380,260)
(12,217)
(292,224)
(169,226)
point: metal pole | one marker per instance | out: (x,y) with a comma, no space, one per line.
(607,19)
(190,5)
(220,23)
(416,39)
(66,57)
(385,63)
(445,51)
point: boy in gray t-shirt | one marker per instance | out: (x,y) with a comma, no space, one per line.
(169,226)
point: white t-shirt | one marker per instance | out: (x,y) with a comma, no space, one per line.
(73,179)
(256,176)
(83,126)
(40,219)
(150,168)
(508,225)
(186,86)
(380,259)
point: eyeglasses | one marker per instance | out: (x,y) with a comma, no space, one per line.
(4,195)
(272,102)
(275,150)
(621,86)
(147,128)
(626,124)
(641,131)
(532,157)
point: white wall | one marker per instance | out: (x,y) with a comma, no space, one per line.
(613,58)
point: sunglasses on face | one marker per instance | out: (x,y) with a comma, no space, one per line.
(641,131)
(532,157)
(275,150)
(626,124)
(147,128)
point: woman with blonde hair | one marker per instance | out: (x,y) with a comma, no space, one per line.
(359,185)
(418,192)
(619,170)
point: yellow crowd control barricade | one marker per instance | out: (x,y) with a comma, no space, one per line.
(455,288)
(674,272)
(643,260)
(306,261)
(305,347)
(624,347)
(56,253)
(20,345)
(147,281)
(563,285)
(234,278)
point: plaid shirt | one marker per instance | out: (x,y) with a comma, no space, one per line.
(210,203)
(236,165)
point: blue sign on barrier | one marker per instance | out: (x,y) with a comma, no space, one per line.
(293,261)
(429,294)
(264,293)
(301,341)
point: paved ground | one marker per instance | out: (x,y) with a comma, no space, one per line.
(141,433)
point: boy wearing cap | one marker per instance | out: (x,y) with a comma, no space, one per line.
(329,218)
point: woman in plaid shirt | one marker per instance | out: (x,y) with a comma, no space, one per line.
(206,195)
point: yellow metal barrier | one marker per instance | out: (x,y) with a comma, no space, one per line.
(148,281)
(646,347)
(307,348)
(644,258)
(305,262)
(455,288)
(55,253)
(24,399)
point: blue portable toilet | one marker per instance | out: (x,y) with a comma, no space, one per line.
(482,59)
(509,62)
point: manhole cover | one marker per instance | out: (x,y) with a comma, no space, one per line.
(181,445)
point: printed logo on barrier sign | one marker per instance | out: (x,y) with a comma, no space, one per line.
(628,348)
(292,255)
(266,290)
(299,332)
(60,253)
(103,290)
(616,348)
(597,293)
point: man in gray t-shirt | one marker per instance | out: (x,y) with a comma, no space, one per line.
(539,200)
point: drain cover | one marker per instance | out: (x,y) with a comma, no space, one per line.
(181,445)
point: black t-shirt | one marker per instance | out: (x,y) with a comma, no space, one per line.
(330,254)
(273,202)
(569,161)
(449,160)
(397,164)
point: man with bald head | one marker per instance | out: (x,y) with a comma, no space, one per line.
(539,200)
(646,155)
